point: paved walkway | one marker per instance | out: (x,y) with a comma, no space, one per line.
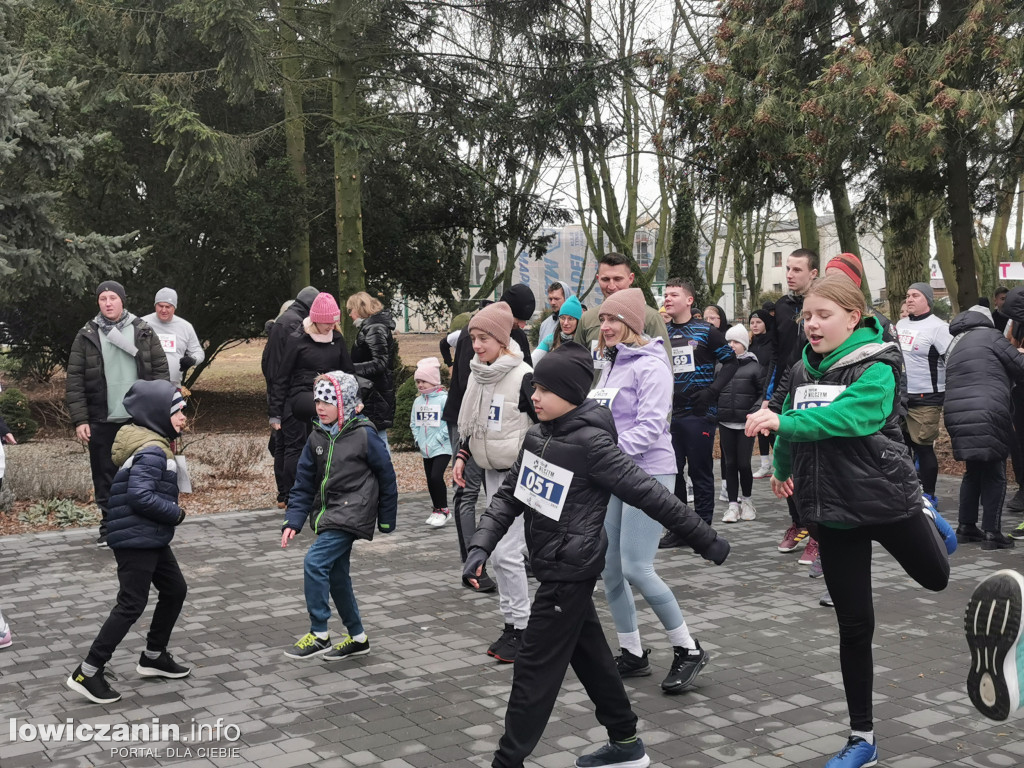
(428,696)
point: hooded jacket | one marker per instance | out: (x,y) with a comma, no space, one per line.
(637,387)
(429,432)
(305,359)
(144,494)
(572,547)
(743,393)
(373,358)
(981,367)
(288,323)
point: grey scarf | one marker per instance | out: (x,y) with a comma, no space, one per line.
(114,331)
(483,378)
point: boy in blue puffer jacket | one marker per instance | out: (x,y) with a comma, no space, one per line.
(345,484)
(140,525)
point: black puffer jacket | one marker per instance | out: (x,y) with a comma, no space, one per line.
(743,393)
(288,323)
(981,367)
(373,355)
(86,381)
(305,359)
(572,548)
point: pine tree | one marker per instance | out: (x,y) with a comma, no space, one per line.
(684,254)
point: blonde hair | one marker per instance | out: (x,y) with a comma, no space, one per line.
(838,288)
(364,304)
(629,337)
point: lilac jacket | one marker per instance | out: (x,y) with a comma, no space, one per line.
(641,405)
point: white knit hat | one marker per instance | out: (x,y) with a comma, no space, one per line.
(738,333)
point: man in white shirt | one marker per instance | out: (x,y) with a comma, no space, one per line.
(177,336)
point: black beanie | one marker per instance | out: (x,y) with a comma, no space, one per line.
(568,371)
(521,301)
(112,285)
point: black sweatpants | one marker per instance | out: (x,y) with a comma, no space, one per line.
(296,426)
(693,440)
(737,450)
(916,545)
(983,481)
(563,630)
(101,440)
(434,468)
(136,570)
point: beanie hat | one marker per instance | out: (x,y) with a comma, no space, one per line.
(495,320)
(567,371)
(738,333)
(521,301)
(428,370)
(849,265)
(167,296)
(629,306)
(926,289)
(324,309)
(112,285)
(572,308)
(177,402)
(766,318)
(337,388)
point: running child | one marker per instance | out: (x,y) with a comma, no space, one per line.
(431,435)
(560,483)
(141,520)
(345,483)
(840,447)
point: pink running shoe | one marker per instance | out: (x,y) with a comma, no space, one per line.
(5,639)
(810,552)
(795,538)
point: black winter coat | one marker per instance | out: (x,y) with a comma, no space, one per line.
(288,323)
(86,381)
(572,548)
(373,355)
(981,367)
(743,393)
(303,361)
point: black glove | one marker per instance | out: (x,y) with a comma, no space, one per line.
(475,558)
(717,552)
(181,516)
(186,362)
(701,401)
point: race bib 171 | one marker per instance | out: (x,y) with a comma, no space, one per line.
(543,486)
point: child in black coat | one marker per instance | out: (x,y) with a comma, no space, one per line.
(568,466)
(742,395)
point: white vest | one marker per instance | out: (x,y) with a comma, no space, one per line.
(499,449)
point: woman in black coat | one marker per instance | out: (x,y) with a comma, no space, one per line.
(373,355)
(981,366)
(317,347)
(762,346)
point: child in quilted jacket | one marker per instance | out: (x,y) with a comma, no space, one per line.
(431,435)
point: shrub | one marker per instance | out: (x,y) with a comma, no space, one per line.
(63,513)
(237,461)
(15,411)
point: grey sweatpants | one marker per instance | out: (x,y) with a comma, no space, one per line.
(508,562)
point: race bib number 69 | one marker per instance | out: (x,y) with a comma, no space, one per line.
(542,485)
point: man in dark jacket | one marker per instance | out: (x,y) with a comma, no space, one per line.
(110,353)
(981,367)
(567,468)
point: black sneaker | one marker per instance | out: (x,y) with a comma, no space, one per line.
(616,754)
(671,540)
(308,646)
(348,647)
(506,652)
(102,540)
(1016,504)
(95,688)
(508,630)
(965,534)
(631,665)
(686,665)
(163,665)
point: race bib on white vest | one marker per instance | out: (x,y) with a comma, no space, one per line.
(427,415)
(542,485)
(169,342)
(604,395)
(597,355)
(682,359)
(495,412)
(815,395)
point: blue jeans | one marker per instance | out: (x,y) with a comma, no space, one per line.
(326,571)
(384,436)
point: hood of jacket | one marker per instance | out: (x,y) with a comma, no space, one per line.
(1013,306)
(869,333)
(653,348)
(975,317)
(149,405)
(131,438)
(305,298)
(381,318)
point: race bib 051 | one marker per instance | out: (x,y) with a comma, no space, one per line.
(542,485)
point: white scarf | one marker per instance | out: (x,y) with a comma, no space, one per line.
(321,338)
(483,378)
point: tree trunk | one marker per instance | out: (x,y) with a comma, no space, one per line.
(846,228)
(961,227)
(295,137)
(944,254)
(807,218)
(347,173)
(906,247)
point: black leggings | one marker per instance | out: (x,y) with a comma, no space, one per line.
(916,545)
(434,468)
(927,466)
(765,443)
(737,449)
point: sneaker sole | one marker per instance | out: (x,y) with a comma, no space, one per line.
(150,672)
(328,657)
(313,655)
(684,684)
(8,644)
(992,623)
(645,672)
(640,762)
(804,561)
(503,660)
(79,688)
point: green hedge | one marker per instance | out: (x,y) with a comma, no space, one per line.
(15,411)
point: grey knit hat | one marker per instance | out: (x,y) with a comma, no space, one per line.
(925,289)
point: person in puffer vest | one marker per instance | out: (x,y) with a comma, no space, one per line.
(558,490)
(496,412)
(839,446)
(143,515)
(345,485)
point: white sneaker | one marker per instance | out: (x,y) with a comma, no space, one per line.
(747,511)
(765,470)
(724,495)
(732,514)
(438,518)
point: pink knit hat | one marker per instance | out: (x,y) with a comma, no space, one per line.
(324,309)
(629,306)
(428,370)
(495,319)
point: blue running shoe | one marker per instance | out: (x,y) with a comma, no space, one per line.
(945,529)
(856,754)
(992,623)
